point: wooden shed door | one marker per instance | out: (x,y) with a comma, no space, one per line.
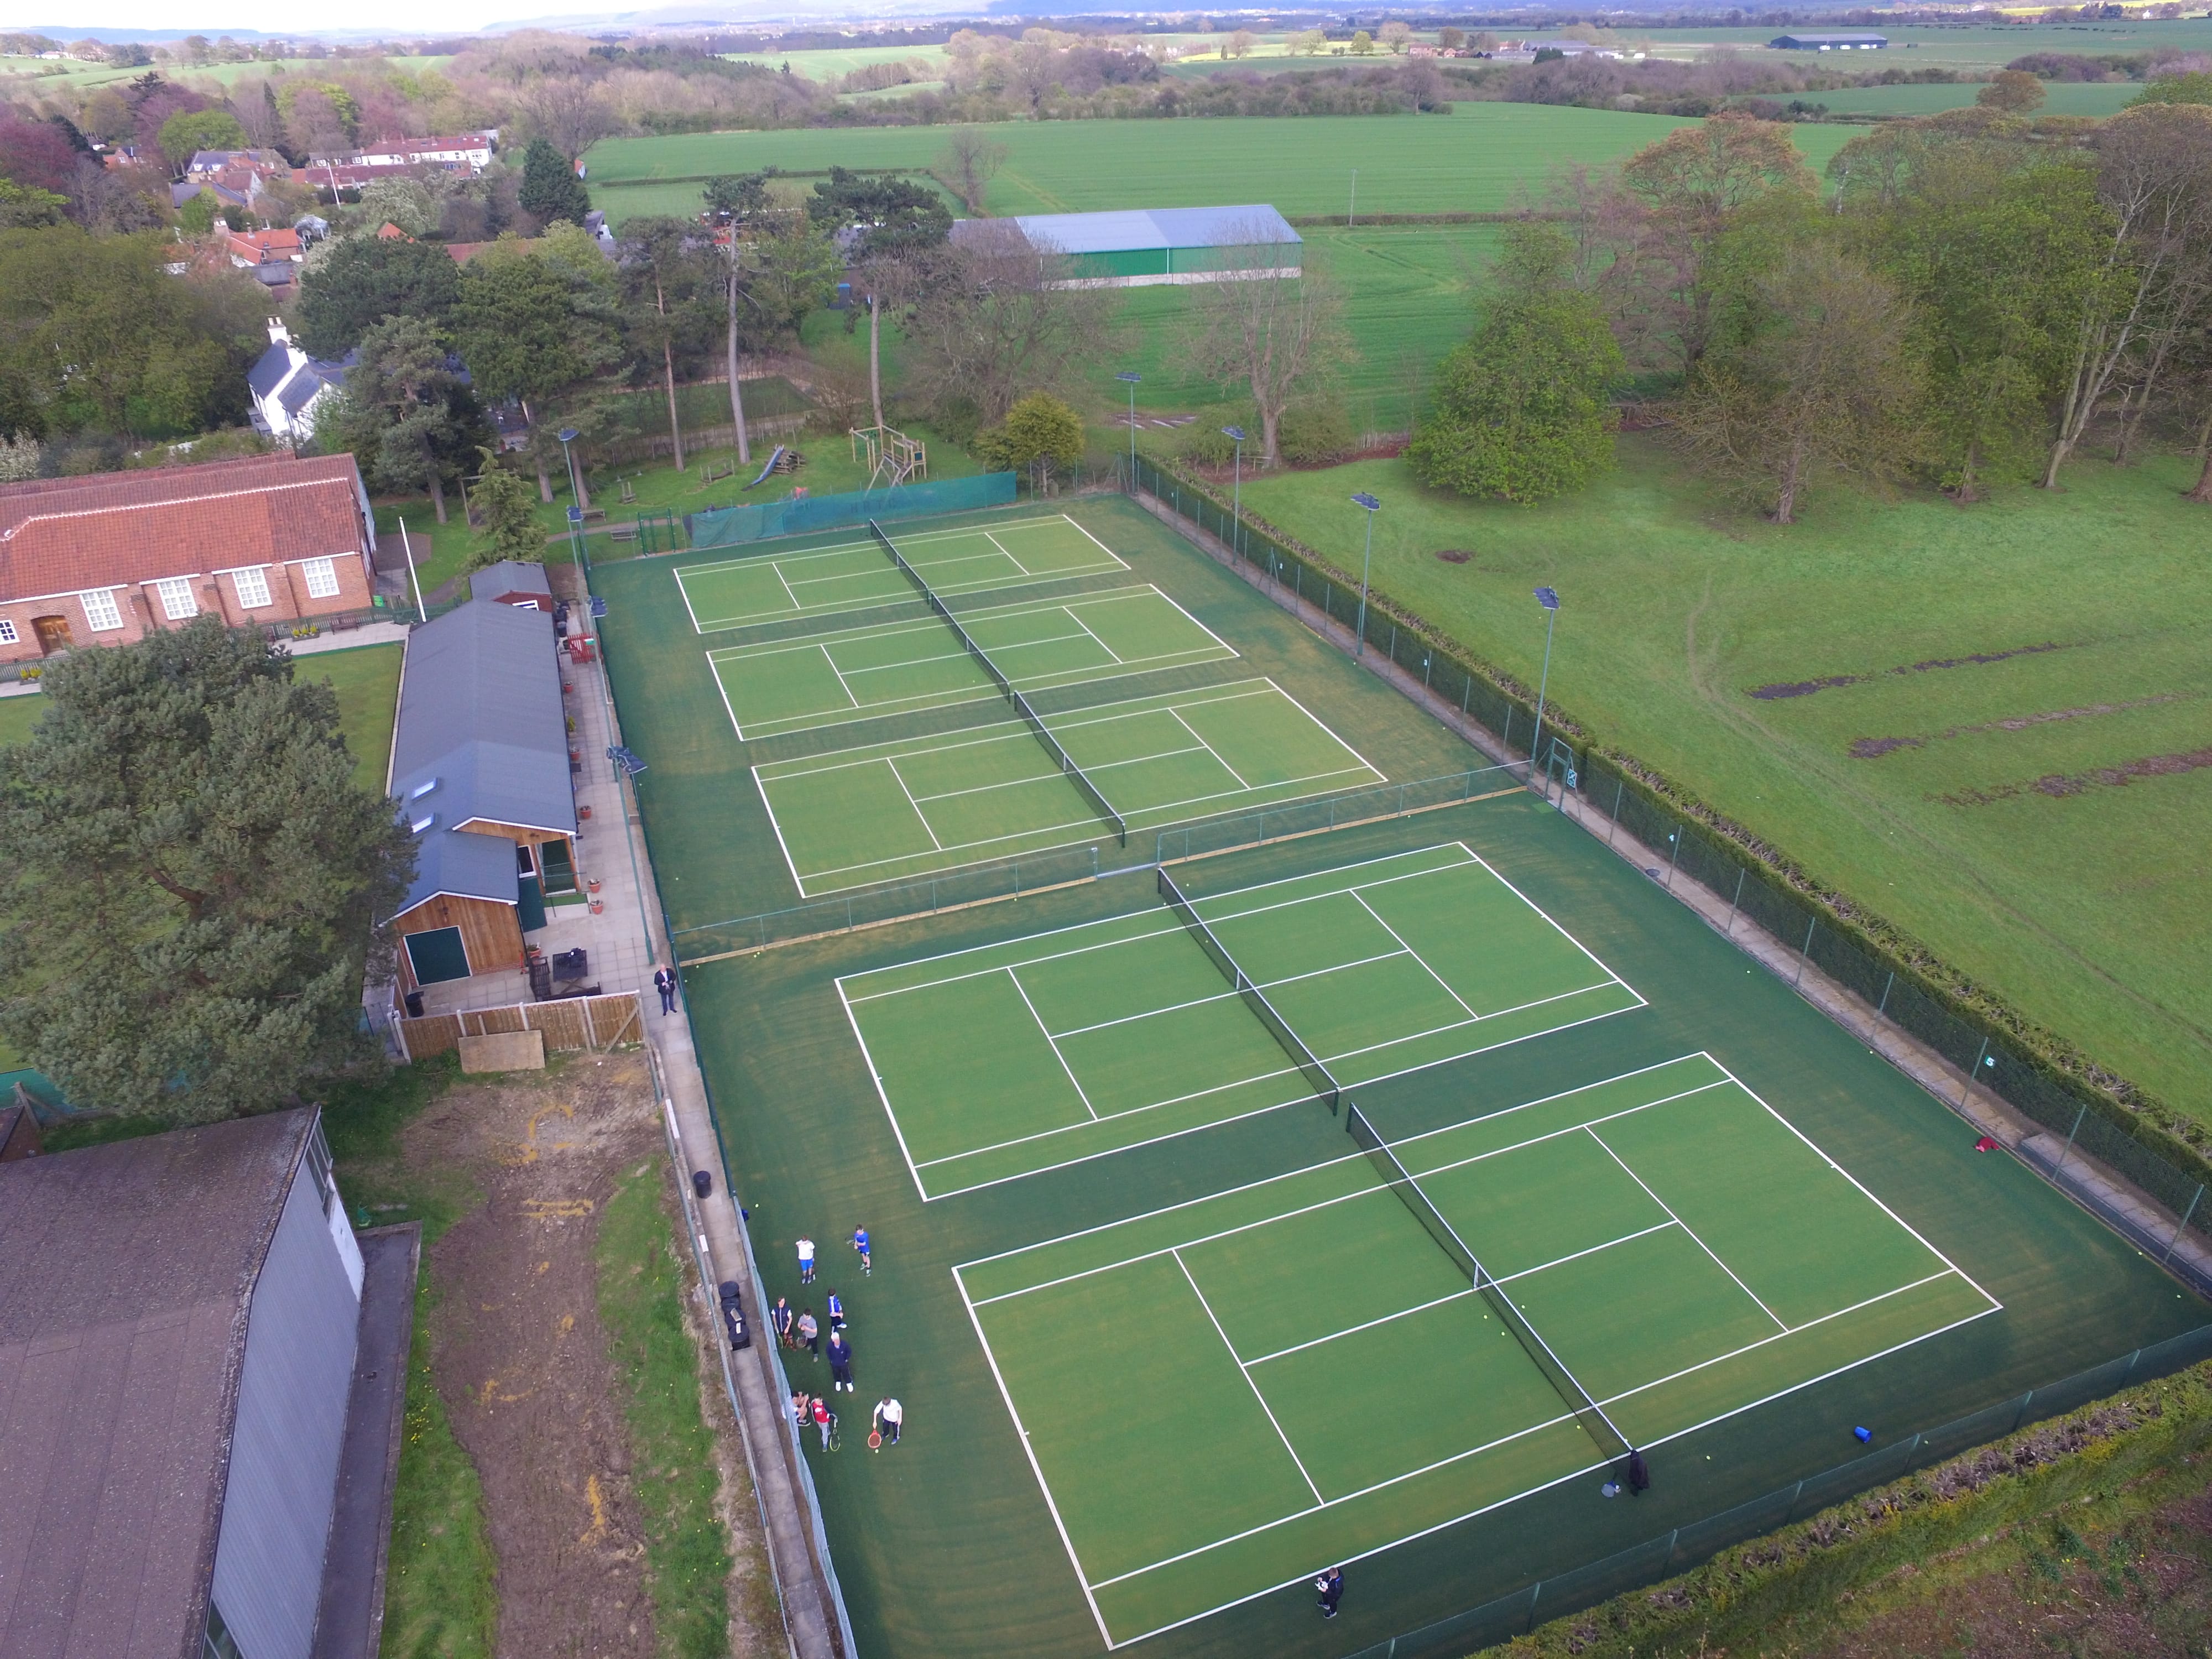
(436,955)
(53,634)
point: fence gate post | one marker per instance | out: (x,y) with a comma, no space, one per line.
(591,1025)
(1888,985)
(1974,1071)
(1803,952)
(2070,1133)
(1620,785)
(1680,830)
(1741,872)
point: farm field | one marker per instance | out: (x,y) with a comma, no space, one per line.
(1171,1333)
(2091,98)
(1976,48)
(1988,724)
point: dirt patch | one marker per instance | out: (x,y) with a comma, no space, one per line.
(1782,689)
(1453,554)
(1874,748)
(519,1354)
(2146,1591)
(2062,784)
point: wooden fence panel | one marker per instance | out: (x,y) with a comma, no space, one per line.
(569,1024)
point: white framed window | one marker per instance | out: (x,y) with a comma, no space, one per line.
(322,576)
(252,586)
(100,611)
(177,600)
(8,634)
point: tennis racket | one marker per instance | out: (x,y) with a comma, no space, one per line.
(875,1440)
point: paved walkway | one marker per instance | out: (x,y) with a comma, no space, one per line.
(2155,1228)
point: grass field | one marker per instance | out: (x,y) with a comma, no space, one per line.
(1054,1049)
(895,668)
(1988,724)
(918,807)
(1973,48)
(1680,1250)
(2093,98)
(1501,997)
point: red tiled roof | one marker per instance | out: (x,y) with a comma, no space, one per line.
(62,535)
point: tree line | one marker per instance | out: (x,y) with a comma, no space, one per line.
(1977,297)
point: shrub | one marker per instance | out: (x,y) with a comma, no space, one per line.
(1314,434)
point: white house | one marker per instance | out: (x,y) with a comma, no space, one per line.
(288,385)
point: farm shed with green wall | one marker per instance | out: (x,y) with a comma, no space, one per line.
(1141,247)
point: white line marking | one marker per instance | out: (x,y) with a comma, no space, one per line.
(1220,996)
(1112,655)
(1209,748)
(891,765)
(842,685)
(876,1077)
(1052,1043)
(1249,1382)
(1001,546)
(1688,1230)
(1361,900)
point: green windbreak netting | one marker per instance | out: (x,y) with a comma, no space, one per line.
(733,526)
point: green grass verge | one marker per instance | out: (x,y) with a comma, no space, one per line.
(366,680)
(2104,1469)
(2073,902)
(439,1598)
(655,1361)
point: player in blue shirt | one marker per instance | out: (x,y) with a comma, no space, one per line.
(836,1312)
(860,1243)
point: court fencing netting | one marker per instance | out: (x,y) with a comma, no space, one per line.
(1587,1412)
(735,526)
(1069,769)
(1318,1077)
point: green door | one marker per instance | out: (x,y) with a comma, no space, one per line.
(529,904)
(437,955)
(554,859)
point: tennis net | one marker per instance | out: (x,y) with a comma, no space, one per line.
(1073,772)
(1316,1074)
(1599,1428)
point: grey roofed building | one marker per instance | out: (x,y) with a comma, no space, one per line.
(512,581)
(286,385)
(1848,40)
(480,766)
(1141,246)
(180,1318)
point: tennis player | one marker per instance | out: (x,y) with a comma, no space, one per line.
(809,1333)
(860,1243)
(824,1419)
(841,1363)
(888,1417)
(837,1311)
(779,1318)
(806,1261)
(1331,1586)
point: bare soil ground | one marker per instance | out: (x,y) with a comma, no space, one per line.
(519,1355)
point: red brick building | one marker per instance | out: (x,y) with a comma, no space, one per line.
(106,559)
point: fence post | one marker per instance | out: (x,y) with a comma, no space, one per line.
(848,916)
(1467,692)
(2020,1416)
(1620,785)
(2070,1133)
(1741,872)
(1506,737)
(1677,838)
(1535,1592)
(1889,984)
(1804,952)
(2181,1226)
(1975,1071)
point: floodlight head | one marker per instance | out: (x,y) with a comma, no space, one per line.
(1548,599)
(1235,431)
(1363,499)
(1130,375)
(566,434)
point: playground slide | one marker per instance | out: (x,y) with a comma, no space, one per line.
(769,468)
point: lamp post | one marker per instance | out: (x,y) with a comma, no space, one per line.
(1550,600)
(1129,377)
(1363,499)
(566,434)
(1236,436)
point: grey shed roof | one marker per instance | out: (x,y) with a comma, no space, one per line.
(509,576)
(123,1318)
(481,723)
(1122,231)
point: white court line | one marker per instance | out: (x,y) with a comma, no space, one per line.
(1112,655)
(1011,559)
(793,596)
(1051,1507)
(877,1078)
(1022,992)
(891,765)
(1224,996)
(1049,777)
(1210,749)
(1361,900)
(684,594)
(1295,1459)
(842,685)
(1504,1278)
(1691,1232)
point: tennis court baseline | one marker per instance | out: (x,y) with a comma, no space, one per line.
(1025,1055)
(777,587)
(920,805)
(781,686)
(1197,1389)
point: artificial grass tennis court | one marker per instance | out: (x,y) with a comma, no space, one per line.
(1046,1051)
(920,805)
(854,575)
(779,687)
(1194,1387)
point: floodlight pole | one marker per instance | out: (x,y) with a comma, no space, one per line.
(421,609)
(1550,600)
(568,436)
(1367,502)
(1129,377)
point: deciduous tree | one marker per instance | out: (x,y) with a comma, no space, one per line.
(1273,336)
(1039,434)
(669,282)
(194,882)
